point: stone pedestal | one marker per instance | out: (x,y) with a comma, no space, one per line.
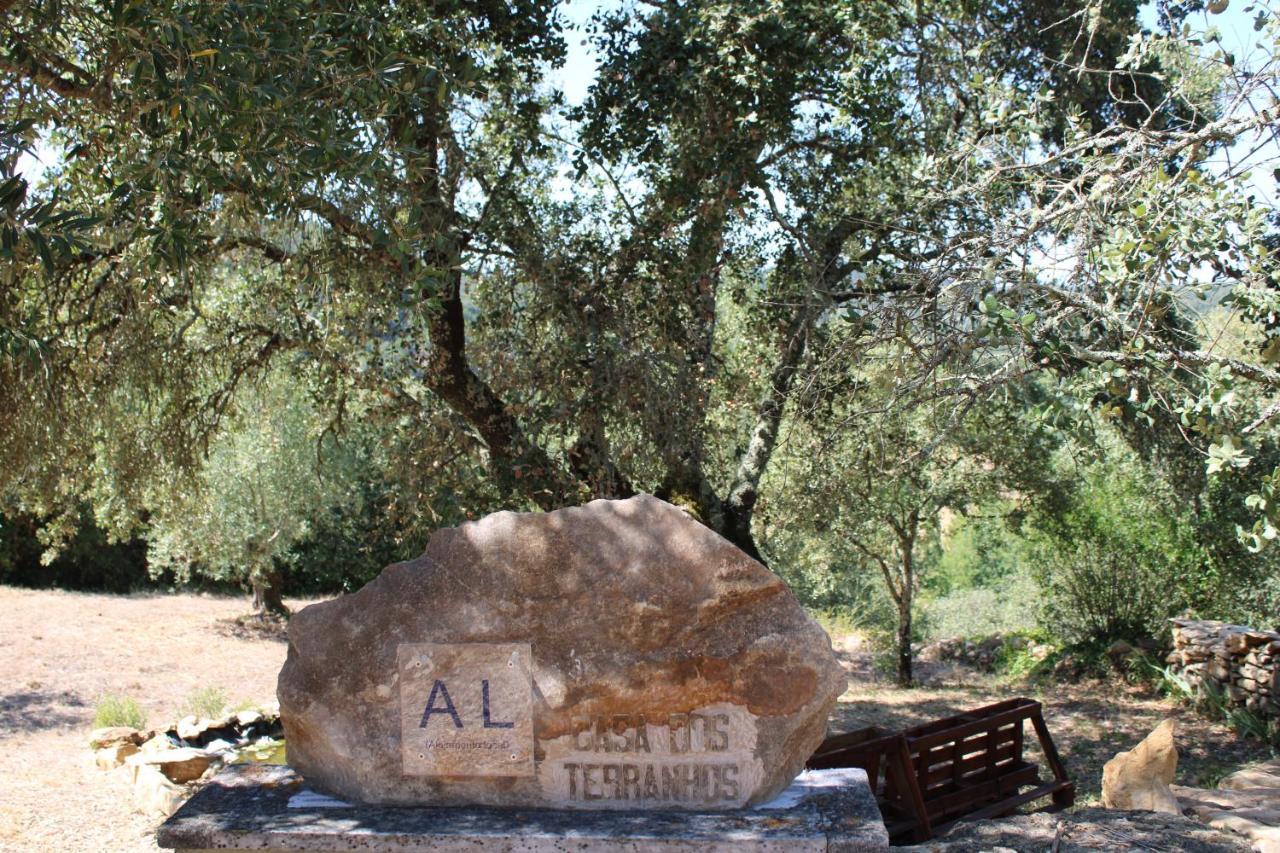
(268,808)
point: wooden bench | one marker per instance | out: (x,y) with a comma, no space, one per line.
(965,767)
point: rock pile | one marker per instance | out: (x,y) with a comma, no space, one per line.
(1241,664)
(164,767)
(1246,803)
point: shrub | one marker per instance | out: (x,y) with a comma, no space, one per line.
(1118,561)
(1208,699)
(114,710)
(206,702)
(1009,605)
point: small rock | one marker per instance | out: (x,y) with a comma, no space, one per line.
(111,757)
(178,765)
(190,728)
(118,734)
(1139,778)
(247,718)
(1069,668)
(158,743)
(154,794)
(199,731)
(220,746)
(1119,651)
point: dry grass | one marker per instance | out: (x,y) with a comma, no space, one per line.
(62,652)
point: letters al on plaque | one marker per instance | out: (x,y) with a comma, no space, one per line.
(466,709)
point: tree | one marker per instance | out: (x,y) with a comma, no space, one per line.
(257,495)
(391,180)
(875,489)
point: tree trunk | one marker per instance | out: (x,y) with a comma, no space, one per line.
(267,592)
(905,677)
(907,551)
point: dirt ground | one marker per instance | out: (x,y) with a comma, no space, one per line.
(62,651)
(1089,721)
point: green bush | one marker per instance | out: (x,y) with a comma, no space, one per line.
(113,710)
(206,702)
(88,561)
(1020,661)
(1119,560)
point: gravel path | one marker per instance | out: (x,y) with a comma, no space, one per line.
(62,651)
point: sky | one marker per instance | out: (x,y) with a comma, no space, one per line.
(579,70)
(1238,37)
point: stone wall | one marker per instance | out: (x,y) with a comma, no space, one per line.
(1238,662)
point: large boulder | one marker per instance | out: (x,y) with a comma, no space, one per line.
(615,655)
(1140,778)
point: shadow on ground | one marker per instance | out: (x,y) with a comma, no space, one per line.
(36,710)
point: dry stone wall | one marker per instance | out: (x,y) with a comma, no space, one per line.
(1241,664)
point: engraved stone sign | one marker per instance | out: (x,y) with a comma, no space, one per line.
(619,655)
(702,759)
(466,709)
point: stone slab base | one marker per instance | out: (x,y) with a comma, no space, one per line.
(267,809)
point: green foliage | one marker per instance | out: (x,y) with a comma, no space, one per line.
(205,702)
(979,551)
(112,710)
(1209,699)
(303,282)
(268,478)
(1017,660)
(1009,605)
(979,582)
(87,560)
(1119,560)
(828,582)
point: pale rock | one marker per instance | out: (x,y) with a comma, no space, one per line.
(1265,775)
(220,746)
(158,743)
(1204,802)
(247,718)
(154,793)
(178,765)
(1266,839)
(1258,828)
(111,757)
(190,727)
(632,657)
(1140,778)
(118,734)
